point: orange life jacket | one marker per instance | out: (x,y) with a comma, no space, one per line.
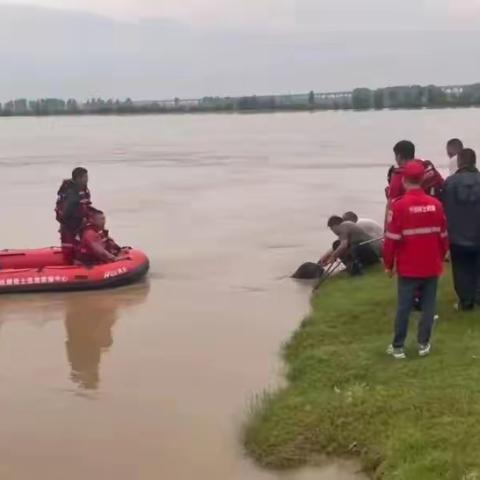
(85,252)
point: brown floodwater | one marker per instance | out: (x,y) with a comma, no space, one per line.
(155,380)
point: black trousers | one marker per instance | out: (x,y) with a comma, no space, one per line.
(466,274)
(363,255)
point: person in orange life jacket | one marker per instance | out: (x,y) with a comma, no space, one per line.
(416,243)
(72,208)
(95,244)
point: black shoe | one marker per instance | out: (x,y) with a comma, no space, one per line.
(464,307)
(356,269)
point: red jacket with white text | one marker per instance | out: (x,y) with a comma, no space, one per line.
(416,240)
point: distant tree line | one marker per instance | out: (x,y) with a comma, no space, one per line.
(414,96)
(57,106)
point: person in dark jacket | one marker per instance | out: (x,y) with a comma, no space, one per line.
(461,198)
(72,209)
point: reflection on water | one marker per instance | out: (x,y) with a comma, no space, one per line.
(89,323)
(89,334)
(84,348)
(89,318)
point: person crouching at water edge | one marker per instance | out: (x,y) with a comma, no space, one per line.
(354,247)
(373,229)
(95,245)
(416,243)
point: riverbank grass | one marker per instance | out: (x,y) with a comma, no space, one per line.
(404,419)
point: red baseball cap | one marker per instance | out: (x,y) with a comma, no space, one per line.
(414,171)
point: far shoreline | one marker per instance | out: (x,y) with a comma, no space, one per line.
(404,97)
(231,112)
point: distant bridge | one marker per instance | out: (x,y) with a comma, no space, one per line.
(341,99)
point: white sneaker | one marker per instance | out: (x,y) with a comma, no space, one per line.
(424,350)
(397,353)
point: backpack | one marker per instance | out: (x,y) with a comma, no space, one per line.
(84,196)
(61,196)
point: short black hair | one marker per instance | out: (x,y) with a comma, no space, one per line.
(350,217)
(79,172)
(334,221)
(467,158)
(455,143)
(405,149)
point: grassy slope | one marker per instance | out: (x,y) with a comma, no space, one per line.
(406,420)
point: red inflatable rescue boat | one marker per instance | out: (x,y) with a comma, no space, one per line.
(44,270)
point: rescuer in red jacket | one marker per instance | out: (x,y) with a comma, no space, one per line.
(95,244)
(72,209)
(432,184)
(415,246)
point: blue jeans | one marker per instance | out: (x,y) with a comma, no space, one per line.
(406,292)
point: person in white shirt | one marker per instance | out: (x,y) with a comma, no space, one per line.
(454,147)
(373,229)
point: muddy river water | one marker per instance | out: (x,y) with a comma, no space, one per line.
(154,381)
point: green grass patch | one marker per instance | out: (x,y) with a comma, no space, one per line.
(405,420)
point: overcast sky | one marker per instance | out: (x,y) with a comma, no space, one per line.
(154,49)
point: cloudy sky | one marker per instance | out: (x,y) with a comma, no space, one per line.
(154,49)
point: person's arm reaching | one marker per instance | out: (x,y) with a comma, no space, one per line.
(325,258)
(393,235)
(342,247)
